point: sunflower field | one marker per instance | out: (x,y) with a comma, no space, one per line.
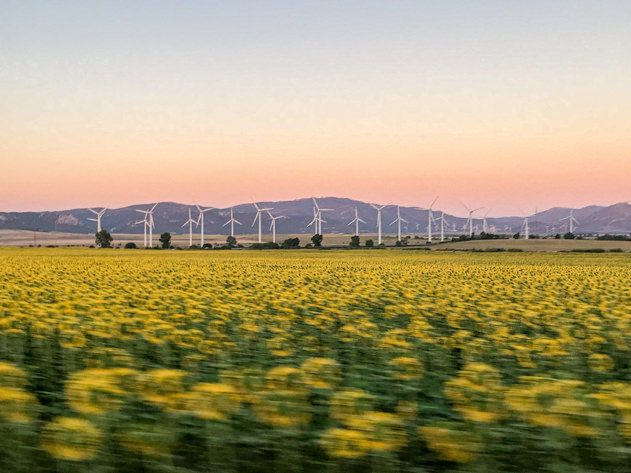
(313,361)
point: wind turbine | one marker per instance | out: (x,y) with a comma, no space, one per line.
(232,221)
(319,221)
(200,221)
(149,223)
(98,214)
(190,223)
(398,220)
(442,225)
(314,221)
(470,219)
(430,218)
(485,226)
(258,217)
(356,221)
(526,228)
(272,226)
(144,221)
(571,220)
(378,208)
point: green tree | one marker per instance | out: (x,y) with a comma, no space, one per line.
(231,242)
(370,243)
(569,236)
(317,240)
(290,244)
(130,245)
(165,239)
(103,239)
(354,241)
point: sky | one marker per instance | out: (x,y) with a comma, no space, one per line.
(507,105)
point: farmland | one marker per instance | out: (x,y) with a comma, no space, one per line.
(371,361)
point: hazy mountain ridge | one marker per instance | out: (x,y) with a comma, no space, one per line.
(169,217)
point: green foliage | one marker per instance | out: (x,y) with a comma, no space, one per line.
(517,236)
(369,243)
(265,246)
(231,242)
(165,240)
(130,245)
(316,240)
(103,239)
(290,244)
(354,241)
(569,236)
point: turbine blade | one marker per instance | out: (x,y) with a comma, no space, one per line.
(236,221)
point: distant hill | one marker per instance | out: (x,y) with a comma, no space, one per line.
(169,217)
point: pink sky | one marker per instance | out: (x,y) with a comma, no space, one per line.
(509,108)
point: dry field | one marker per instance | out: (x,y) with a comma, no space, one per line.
(28,238)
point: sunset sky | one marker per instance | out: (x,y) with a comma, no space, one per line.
(511,105)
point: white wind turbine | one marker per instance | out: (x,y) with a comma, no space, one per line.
(398,221)
(314,221)
(144,221)
(571,220)
(485,226)
(526,228)
(272,226)
(232,221)
(98,214)
(430,218)
(470,219)
(319,220)
(378,208)
(356,221)
(442,225)
(258,217)
(190,223)
(200,221)
(149,223)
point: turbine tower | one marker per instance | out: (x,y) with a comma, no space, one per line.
(149,223)
(470,219)
(319,220)
(378,208)
(190,223)
(314,221)
(485,226)
(200,221)
(571,220)
(98,214)
(144,221)
(526,228)
(356,221)
(398,220)
(232,221)
(272,226)
(430,218)
(442,226)
(258,217)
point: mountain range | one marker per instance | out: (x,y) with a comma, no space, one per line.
(169,217)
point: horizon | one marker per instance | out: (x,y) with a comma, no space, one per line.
(436,207)
(513,107)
